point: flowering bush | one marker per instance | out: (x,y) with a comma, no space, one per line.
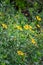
(21,41)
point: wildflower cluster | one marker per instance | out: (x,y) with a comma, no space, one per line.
(21,41)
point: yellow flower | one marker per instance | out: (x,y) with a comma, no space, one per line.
(38,25)
(20,53)
(19,28)
(4,26)
(33,41)
(27,27)
(38,18)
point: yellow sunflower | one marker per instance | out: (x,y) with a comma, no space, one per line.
(4,26)
(20,53)
(38,18)
(19,28)
(27,27)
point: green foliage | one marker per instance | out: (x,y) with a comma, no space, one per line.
(21,3)
(5,1)
(13,39)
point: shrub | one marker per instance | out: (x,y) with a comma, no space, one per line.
(21,41)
